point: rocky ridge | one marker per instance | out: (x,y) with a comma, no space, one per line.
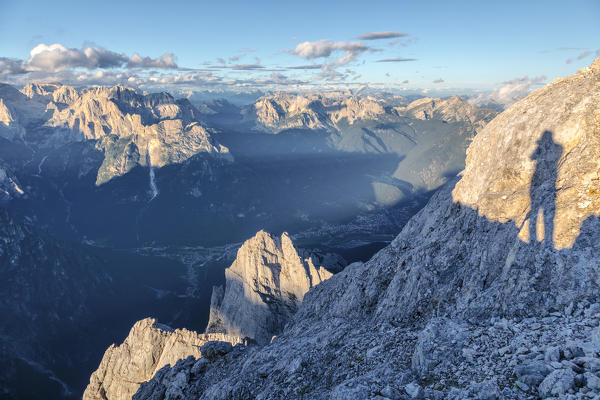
(148,347)
(460,305)
(322,112)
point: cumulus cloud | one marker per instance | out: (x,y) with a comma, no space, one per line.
(325,48)
(381,35)
(397,59)
(510,91)
(166,61)
(12,66)
(438,80)
(57,57)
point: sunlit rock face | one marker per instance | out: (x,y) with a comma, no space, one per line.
(148,347)
(313,111)
(130,128)
(335,111)
(554,131)
(265,285)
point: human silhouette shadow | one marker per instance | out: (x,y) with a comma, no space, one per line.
(542,190)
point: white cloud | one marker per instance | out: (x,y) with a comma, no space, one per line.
(510,92)
(57,57)
(166,61)
(11,66)
(325,48)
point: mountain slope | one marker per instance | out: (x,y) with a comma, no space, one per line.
(459,305)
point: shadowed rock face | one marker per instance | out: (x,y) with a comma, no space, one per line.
(9,184)
(460,305)
(149,347)
(265,285)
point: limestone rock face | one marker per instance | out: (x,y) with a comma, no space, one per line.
(547,142)
(149,347)
(315,111)
(334,111)
(264,287)
(286,111)
(130,128)
(453,109)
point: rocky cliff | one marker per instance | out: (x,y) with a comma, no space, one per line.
(265,285)
(463,303)
(148,347)
(128,127)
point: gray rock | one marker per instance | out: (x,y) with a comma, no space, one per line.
(439,343)
(552,354)
(592,381)
(212,350)
(414,390)
(557,383)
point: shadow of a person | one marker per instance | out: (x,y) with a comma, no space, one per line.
(542,190)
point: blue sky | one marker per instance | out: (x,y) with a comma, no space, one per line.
(455,46)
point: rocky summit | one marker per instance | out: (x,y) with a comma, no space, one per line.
(490,292)
(265,285)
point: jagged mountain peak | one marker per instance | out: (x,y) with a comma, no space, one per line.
(264,286)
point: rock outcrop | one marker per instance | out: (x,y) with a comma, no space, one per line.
(265,285)
(461,304)
(149,347)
